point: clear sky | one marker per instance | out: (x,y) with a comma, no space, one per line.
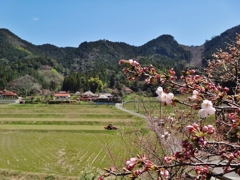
(135,22)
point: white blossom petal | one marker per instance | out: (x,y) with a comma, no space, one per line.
(170,96)
(164,97)
(202,113)
(206,104)
(195,92)
(211,110)
(159,90)
(194,97)
(130,61)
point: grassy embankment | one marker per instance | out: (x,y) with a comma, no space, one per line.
(151,107)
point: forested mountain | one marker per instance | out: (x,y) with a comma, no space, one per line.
(219,42)
(69,68)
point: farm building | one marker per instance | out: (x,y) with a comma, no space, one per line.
(62,96)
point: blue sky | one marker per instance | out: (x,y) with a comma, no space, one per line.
(70,22)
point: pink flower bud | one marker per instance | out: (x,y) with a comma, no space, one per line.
(137,172)
(223,155)
(128,162)
(147,165)
(168,160)
(190,128)
(166,174)
(231,156)
(133,159)
(210,129)
(157,76)
(145,69)
(191,71)
(147,81)
(205,170)
(130,166)
(205,129)
(232,115)
(171,72)
(226,89)
(196,126)
(153,70)
(144,157)
(122,61)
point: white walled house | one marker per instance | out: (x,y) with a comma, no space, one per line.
(9,97)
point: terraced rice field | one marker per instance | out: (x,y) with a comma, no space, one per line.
(62,140)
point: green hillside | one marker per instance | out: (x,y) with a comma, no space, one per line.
(49,67)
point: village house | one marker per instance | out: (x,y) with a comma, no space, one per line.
(9,97)
(88,96)
(62,96)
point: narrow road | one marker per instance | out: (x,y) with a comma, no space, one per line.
(120,106)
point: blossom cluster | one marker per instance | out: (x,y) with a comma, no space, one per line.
(207,109)
(145,165)
(135,166)
(195,129)
(164,97)
(201,172)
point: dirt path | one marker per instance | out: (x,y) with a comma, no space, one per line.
(119,106)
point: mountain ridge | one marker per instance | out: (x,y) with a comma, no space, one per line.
(99,58)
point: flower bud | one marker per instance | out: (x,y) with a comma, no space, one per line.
(122,61)
(205,129)
(190,128)
(191,71)
(226,89)
(137,172)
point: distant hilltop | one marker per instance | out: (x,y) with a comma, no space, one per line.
(46,66)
